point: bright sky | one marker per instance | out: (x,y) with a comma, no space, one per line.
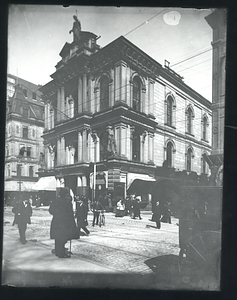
(37,33)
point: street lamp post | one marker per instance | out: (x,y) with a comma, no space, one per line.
(94,181)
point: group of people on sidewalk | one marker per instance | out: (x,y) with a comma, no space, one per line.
(63,225)
(129,206)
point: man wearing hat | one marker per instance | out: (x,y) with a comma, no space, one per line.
(23,211)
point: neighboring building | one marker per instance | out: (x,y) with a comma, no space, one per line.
(23,144)
(217,21)
(121,110)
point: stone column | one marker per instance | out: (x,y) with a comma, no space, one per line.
(95,139)
(151,97)
(84,146)
(58,151)
(143,100)
(67,158)
(117,137)
(63,103)
(79,146)
(123,82)
(89,94)
(123,131)
(80,97)
(151,147)
(84,93)
(97,149)
(46,117)
(58,105)
(120,82)
(51,112)
(143,146)
(111,89)
(128,142)
(63,151)
(97,100)
(132,131)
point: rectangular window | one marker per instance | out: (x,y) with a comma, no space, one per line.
(28,151)
(30,171)
(25,132)
(34,95)
(18,171)
(25,113)
(25,92)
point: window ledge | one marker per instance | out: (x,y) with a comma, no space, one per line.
(188,133)
(206,141)
(171,126)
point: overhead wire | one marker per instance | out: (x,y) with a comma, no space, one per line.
(147,21)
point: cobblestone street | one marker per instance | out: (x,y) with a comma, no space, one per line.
(123,243)
(124,246)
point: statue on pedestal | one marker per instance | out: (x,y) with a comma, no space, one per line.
(76,29)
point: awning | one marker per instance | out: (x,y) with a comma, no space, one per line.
(14,186)
(141,184)
(45,184)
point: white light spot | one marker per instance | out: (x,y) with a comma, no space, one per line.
(172,18)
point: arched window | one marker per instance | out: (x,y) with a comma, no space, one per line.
(136,147)
(204,129)
(104,92)
(136,103)
(169,111)
(169,149)
(189,160)
(189,120)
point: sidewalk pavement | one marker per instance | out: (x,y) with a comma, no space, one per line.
(33,264)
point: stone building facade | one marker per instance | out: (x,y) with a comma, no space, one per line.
(113,114)
(23,143)
(218,22)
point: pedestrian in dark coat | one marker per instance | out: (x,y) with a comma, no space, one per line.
(81,216)
(136,207)
(63,226)
(23,212)
(157,214)
(166,213)
(97,206)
